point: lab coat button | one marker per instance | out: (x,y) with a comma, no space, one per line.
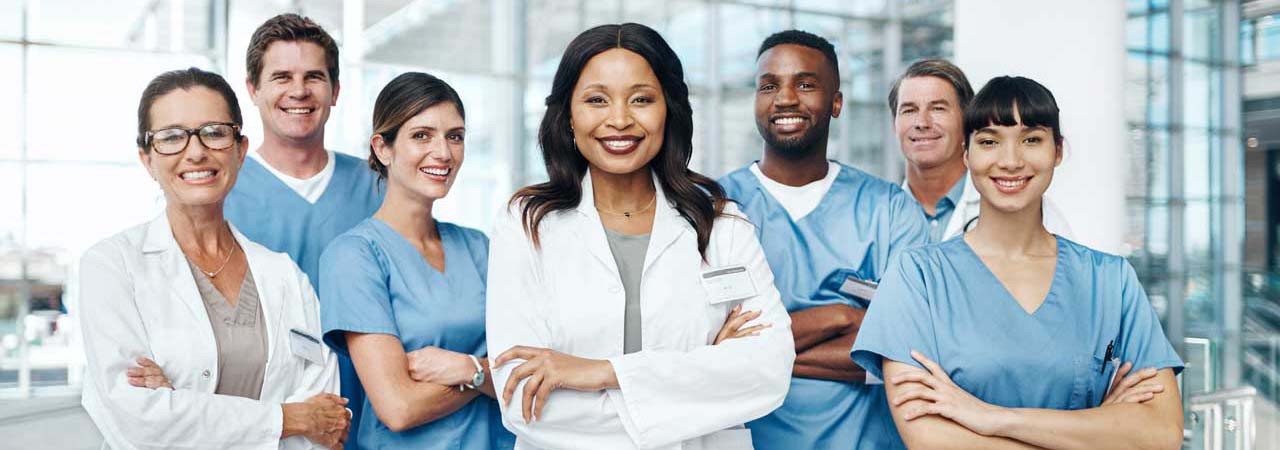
(205,373)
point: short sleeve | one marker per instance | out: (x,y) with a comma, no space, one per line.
(907,228)
(1142,340)
(354,292)
(899,319)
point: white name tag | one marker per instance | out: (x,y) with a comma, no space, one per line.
(728,284)
(306,346)
(859,288)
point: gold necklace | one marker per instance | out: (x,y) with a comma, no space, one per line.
(215,273)
(627,214)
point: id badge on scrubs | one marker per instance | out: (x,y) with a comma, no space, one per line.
(727,284)
(859,288)
(306,346)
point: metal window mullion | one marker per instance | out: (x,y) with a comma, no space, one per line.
(1231,214)
(891,165)
(1177,285)
(714,151)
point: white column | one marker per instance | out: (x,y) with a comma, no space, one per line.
(1077,50)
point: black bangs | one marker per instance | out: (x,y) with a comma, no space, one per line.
(1006,99)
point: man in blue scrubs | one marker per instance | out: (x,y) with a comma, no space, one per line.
(293,195)
(829,231)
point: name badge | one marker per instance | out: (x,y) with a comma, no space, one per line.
(728,284)
(859,288)
(306,346)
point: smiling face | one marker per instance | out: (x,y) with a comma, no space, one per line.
(294,93)
(197,176)
(618,112)
(929,122)
(427,153)
(1012,166)
(797,94)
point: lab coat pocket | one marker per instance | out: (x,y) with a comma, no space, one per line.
(731,439)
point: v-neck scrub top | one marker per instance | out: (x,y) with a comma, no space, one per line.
(943,301)
(240,332)
(375,281)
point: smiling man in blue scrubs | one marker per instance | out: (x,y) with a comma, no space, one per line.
(829,231)
(293,195)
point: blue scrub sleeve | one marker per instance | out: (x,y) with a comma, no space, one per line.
(1142,340)
(354,294)
(907,228)
(478,247)
(899,319)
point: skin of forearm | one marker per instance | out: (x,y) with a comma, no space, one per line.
(940,433)
(819,324)
(830,361)
(1120,426)
(420,402)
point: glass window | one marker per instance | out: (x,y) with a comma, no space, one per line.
(1158,89)
(11,107)
(921,42)
(1157,232)
(1135,33)
(466,32)
(11,19)
(173,26)
(740,142)
(100,209)
(1137,87)
(1197,164)
(1268,39)
(1158,32)
(859,8)
(744,29)
(1198,232)
(1202,35)
(106,104)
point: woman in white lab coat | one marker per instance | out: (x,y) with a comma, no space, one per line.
(629,305)
(196,337)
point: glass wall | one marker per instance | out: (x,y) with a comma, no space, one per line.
(74,70)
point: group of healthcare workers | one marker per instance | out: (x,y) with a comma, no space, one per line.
(628,301)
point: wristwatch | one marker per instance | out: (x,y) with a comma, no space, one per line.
(476,380)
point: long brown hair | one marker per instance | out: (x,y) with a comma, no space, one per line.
(697,198)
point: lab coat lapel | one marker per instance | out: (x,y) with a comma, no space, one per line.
(593,237)
(163,250)
(668,226)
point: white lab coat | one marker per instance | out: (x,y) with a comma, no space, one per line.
(679,391)
(971,201)
(139,299)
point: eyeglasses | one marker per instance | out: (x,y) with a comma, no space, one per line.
(172,141)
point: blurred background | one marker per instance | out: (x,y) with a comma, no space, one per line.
(1171,111)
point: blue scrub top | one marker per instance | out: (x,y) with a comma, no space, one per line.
(270,213)
(857,230)
(942,301)
(375,281)
(944,209)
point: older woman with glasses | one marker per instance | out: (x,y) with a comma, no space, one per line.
(195,336)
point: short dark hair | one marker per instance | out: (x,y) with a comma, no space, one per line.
(404,97)
(938,68)
(289,28)
(803,39)
(182,79)
(997,101)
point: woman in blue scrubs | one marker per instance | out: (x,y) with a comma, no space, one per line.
(403,294)
(1009,336)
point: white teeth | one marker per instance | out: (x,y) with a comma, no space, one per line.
(197,175)
(1012,183)
(439,172)
(788,120)
(619,144)
(298,110)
